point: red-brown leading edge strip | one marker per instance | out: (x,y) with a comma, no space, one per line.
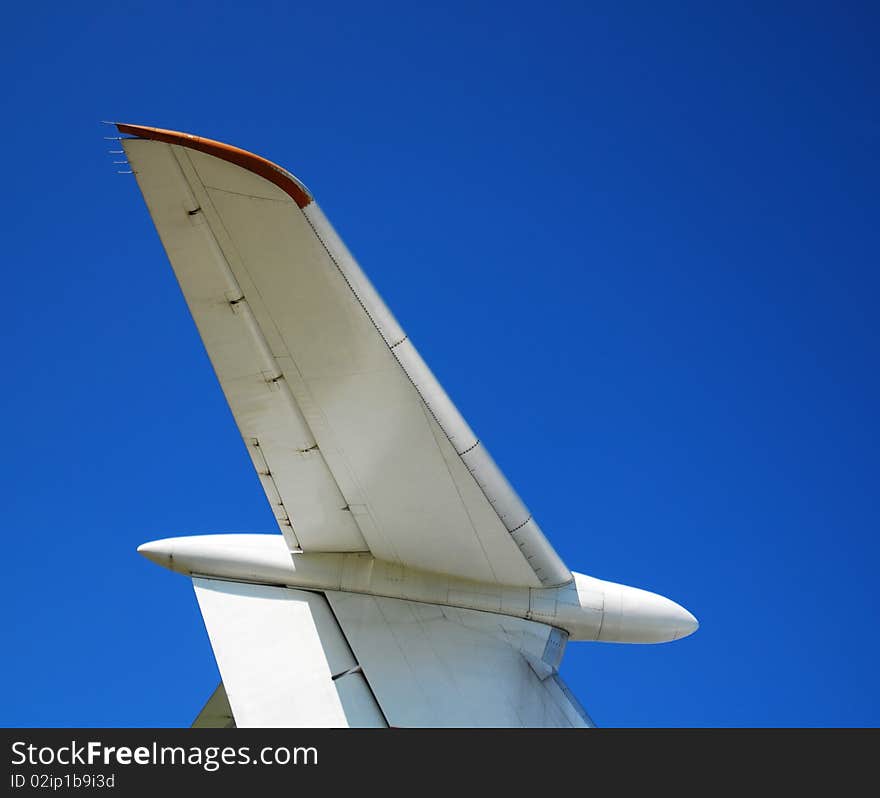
(247,160)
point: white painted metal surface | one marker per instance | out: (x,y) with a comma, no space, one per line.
(586,608)
(357,445)
(411,585)
(278,651)
(450,667)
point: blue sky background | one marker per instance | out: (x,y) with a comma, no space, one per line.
(637,242)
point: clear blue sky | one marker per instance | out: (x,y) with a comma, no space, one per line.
(638,245)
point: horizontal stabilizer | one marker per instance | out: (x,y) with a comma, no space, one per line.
(356,444)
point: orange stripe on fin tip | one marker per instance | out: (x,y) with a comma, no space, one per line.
(247,160)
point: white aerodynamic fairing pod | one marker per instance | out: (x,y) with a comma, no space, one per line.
(410,585)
